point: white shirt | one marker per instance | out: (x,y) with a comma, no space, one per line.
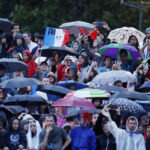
(31,46)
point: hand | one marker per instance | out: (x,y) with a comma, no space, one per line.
(20,147)
(48,129)
(105,111)
(5,148)
(79,74)
(93,64)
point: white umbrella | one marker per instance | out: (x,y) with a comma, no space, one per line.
(73,26)
(121,35)
(107,78)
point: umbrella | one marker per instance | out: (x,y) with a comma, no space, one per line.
(146,60)
(12,65)
(68,84)
(107,78)
(20,82)
(132,95)
(5,25)
(121,35)
(145,85)
(128,106)
(16,109)
(73,26)
(89,93)
(48,51)
(145,104)
(6,110)
(113,49)
(53,89)
(112,88)
(23,100)
(73,102)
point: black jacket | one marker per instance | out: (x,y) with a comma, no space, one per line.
(103,141)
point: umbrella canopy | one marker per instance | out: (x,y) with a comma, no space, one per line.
(53,89)
(128,106)
(6,110)
(69,84)
(16,109)
(132,95)
(73,102)
(73,26)
(113,50)
(48,51)
(145,85)
(12,65)
(5,25)
(89,93)
(107,78)
(121,35)
(23,100)
(145,104)
(111,89)
(20,82)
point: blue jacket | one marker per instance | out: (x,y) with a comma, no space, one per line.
(83,138)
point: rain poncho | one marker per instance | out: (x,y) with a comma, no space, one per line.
(127,140)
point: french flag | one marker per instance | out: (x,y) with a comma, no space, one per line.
(55,37)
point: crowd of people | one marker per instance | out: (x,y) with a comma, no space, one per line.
(107,130)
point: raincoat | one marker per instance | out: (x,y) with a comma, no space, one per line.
(125,139)
(83,138)
(32,65)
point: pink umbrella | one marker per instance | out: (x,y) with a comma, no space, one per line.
(73,102)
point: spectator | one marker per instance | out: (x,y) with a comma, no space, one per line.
(30,44)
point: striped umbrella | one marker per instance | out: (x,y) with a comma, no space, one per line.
(89,93)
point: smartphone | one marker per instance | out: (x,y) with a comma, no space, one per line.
(113,107)
(99,24)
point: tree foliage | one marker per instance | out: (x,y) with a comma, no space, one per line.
(35,15)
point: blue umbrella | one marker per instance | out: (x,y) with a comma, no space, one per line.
(146,85)
(68,84)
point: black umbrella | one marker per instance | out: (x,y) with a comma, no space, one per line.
(5,25)
(53,89)
(132,95)
(6,110)
(48,51)
(19,82)
(12,65)
(146,85)
(111,89)
(16,109)
(24,100)
(127,106)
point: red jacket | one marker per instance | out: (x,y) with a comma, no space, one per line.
(32,65)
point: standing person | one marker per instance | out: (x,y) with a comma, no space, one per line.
(147,137)
(134,41)
(52,137)
(15,138)
(83,138)
(33,135)
(125,140)
(31,64)
(30,44)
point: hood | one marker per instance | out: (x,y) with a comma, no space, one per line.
(10,124)
(27,117)
(127,128)
(28,53)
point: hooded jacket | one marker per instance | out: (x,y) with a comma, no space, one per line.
(32,65)
(15,138)
(126,139)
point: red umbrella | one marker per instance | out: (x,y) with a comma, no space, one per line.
(73,102)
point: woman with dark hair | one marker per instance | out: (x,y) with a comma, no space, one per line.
(134,41)
(19,45)
(83,66)
(15,138)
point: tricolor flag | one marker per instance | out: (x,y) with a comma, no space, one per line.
(55,37)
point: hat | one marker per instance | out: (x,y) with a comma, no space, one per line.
(43,62)
(19,36)
(40,37)
(147,30)
(51,74)
(74,69)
